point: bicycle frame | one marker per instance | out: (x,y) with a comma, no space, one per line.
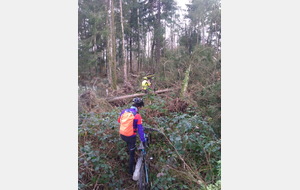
(144,165)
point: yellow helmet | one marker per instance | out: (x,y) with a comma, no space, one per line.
(145,78)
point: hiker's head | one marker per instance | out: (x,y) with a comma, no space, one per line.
(145,78)
(137,102)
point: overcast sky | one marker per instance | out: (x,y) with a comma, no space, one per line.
(182,3)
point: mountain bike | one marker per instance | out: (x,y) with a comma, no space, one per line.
(142,166)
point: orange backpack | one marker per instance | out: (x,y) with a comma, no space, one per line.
(126,123)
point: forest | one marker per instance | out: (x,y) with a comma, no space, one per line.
(179,50)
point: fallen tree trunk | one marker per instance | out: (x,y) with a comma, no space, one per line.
(134,75)
(136,95)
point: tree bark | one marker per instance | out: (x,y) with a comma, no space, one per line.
(203,33)
(108,50)
(158,36)
(127,55)
(138,39)
(137,95)
(123,41)
(165,36)
(185,81)
(130,44)
(152,53)
(187,42)
(113,65)
(148,50)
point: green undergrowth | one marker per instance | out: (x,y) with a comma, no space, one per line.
(186,153)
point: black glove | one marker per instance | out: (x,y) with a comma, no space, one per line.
(145,144)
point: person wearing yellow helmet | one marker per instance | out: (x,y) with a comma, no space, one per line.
(145,84)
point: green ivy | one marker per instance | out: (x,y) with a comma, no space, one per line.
(189,133)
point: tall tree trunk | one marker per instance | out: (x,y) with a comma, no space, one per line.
(127,56)
(152,54)
(158,36)
(85,36)
(144,43)
(108,50)
(130,44)
(119,57)
(216,33)
(164,39)
(185,81)
(187,41)
(203,33)
(113,65)
(148,50)
(102,59)
(172,36)
(123,43)
(198,28)
(138,38)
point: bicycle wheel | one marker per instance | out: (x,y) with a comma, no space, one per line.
(142,179)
